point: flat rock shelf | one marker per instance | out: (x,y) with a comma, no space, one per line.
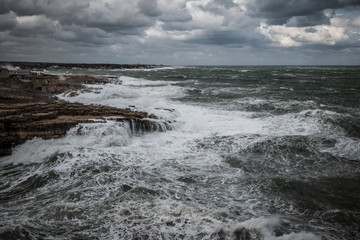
(29,109)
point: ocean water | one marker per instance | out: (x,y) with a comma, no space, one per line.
(254,153)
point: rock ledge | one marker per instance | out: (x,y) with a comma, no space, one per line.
(28,110)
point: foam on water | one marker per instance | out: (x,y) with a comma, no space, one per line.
(105,136)
(208,178)
(345,147)
(304,123)
(265,227)
(154,97)
(192,123)
(140,94)
(154,69)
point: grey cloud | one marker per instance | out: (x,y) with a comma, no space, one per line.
(226,3)
(318,18)
(122,17)
(177,26)
(21,7)
(86,22)
(218,6)
(66,11)
(278,12)
(63,8)
(5,6)
(84,36)
(219,38)
(38,25)
(131,26)
(116,29)
(149,8)
(352,44)
(178,15)
(299,8)
(119,16)
(7,21)
(228,38)
(311,30)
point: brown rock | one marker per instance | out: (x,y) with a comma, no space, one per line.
(28,110)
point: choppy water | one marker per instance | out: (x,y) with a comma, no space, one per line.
(255,153)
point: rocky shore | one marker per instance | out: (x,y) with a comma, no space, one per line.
(29,109)
(47,65)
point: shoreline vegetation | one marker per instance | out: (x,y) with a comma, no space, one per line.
(29,107)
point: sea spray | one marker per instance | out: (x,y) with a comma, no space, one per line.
(253,153)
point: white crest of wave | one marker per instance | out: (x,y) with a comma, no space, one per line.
(155,69)
(130,81)
(103,136)
(345,147)
(139,94)
(156,97)
(263,228)
(303,123)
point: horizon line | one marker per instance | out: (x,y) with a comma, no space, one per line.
(154,64)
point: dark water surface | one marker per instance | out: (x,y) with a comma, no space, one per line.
(255,153)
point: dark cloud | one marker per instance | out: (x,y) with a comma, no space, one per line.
(226,3)
(20,7)
(229,38)
(115,16)
(315,19)
(109,30)
(219,38)
(177,26)
(310,30)
(84,36)
(278,12)
(218,6)
(50,8)
(87,23)
(33,26)
(7,21)
(130,26)
(149,8)
(178,15)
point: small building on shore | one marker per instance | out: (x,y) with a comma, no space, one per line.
(4,73)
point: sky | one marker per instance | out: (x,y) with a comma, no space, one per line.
(182,32)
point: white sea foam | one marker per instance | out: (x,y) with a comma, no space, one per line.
(345,147)
(176,183)
(104,136)
(154,69)
(273,104)
(263,228)
(196,122)
(130,81)
(155,97)
(304,123)
(140,94)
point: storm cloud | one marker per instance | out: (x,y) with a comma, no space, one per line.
(181,31)
(278,12)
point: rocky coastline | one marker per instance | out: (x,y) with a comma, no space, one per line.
(30,109)
(54,65)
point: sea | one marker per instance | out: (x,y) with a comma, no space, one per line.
(251,152)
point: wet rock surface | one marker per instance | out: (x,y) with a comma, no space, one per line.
(29,109)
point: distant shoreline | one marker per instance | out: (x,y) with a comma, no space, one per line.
(61,65)
(54,65)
